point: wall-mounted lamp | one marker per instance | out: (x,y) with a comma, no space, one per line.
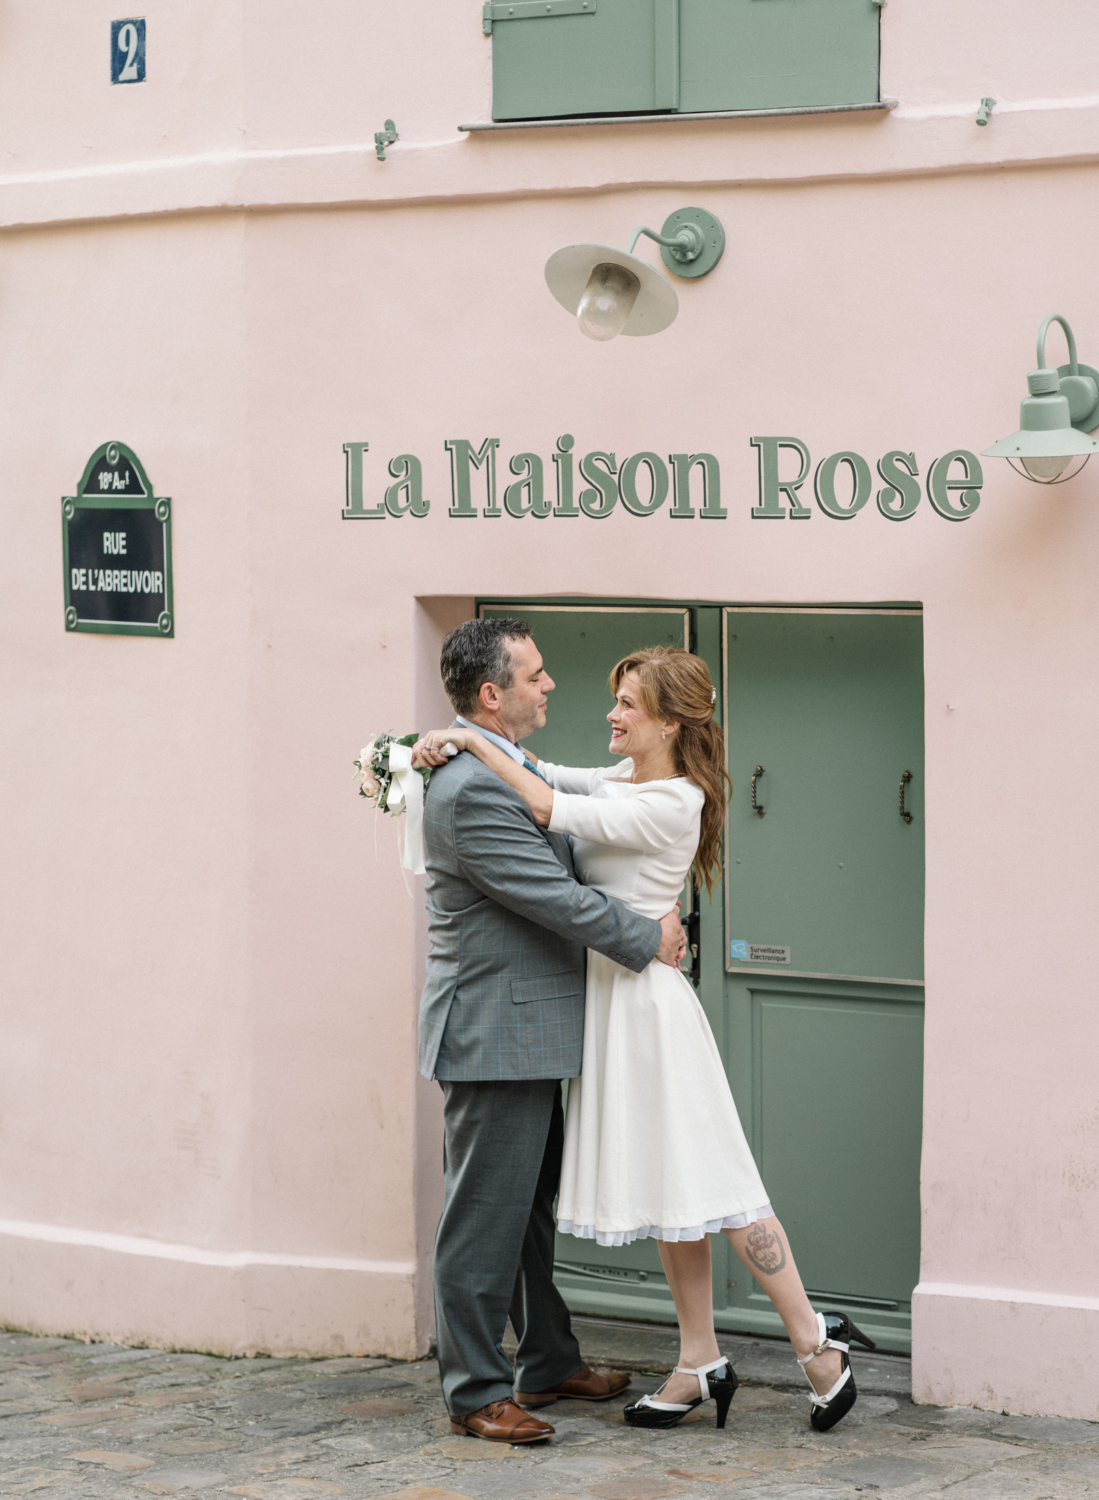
(1054,420)
(613,291)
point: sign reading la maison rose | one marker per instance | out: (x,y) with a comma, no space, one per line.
(689,484)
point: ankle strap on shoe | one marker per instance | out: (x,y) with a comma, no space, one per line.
(700,1374)
(825,1343)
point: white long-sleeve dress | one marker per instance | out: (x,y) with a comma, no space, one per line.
(653,1142)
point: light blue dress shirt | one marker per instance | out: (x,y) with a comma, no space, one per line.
(497,739)
(517,755)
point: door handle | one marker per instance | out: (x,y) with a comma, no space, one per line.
(759,811)
(905,779)
(692,925)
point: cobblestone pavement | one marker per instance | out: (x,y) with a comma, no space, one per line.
(89,1420)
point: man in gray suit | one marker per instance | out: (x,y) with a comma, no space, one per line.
(501,1024)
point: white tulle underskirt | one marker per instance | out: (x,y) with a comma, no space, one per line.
(615,1237)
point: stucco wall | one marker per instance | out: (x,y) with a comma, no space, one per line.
(212,1133)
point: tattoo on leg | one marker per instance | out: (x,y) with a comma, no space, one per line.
(765,1250)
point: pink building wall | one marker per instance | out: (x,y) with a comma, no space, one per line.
(213,1135)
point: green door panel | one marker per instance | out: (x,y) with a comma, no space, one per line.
(579,646)
(831,705)
(826,1067)
(774,54)
(847,1071)
(621,59)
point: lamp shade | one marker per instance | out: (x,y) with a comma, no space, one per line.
(569,269)
(1045,431)
(1056,417)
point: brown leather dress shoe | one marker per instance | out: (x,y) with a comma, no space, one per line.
(585,1385)
(502,1422)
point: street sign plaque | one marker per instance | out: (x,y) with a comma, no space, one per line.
(117,549)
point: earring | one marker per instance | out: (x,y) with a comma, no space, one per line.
(663,736)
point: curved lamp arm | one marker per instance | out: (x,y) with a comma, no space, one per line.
(1053,318)
(687,244)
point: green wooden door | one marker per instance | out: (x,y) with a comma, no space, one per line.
(823,1043)
(823,1007)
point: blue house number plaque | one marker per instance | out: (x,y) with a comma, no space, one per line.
(128,51)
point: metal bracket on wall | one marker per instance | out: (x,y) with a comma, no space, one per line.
(384,138)
(987,106)
(532,10)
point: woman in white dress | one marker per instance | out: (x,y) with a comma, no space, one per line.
(654,1147)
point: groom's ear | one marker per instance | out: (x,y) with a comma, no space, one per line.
(490,696)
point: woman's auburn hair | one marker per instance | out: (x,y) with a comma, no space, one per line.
(676,685)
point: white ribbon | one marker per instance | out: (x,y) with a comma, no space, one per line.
(406,794)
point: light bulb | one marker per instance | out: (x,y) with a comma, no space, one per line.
(1046,468)
(607,302)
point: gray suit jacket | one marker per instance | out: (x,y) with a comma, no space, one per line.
(508,924)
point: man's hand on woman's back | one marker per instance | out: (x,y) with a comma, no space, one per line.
(673,943)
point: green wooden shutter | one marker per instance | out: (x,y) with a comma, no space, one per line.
(553,58)
(775,54)
(568,57)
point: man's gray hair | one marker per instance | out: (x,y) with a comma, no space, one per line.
(476,653)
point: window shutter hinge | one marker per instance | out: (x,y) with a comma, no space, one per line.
(532,10)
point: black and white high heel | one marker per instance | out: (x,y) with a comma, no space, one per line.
(717,1380)
(836,1331)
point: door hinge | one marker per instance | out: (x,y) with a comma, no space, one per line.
(532,10)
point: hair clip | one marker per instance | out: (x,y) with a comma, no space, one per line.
(713,695)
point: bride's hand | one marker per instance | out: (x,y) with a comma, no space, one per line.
(429,748)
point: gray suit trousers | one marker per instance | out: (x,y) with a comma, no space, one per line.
(494,1248)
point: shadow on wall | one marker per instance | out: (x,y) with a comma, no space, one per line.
(433,620)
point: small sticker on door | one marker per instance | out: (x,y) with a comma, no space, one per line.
(757,953)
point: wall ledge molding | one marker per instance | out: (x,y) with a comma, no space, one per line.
(196,1255)
(911,140)
(81,1283)
(1006,1294)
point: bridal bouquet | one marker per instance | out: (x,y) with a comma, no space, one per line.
(388,778)
(376,774)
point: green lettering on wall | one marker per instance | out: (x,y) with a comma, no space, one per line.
(772,488)
(682,464)
(940,485)
(354,509)
(658,484)
(529,465)
(682,509)
(566,505)
(901,475)
(824,485)
(407,470)
(601,500)
(463,458)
